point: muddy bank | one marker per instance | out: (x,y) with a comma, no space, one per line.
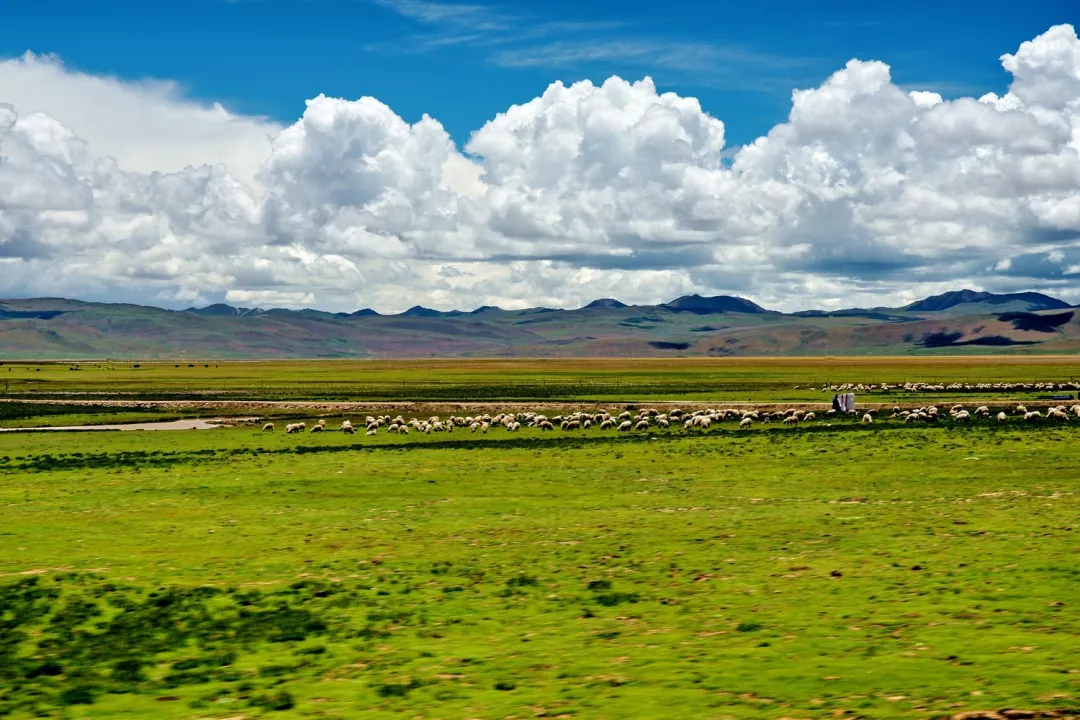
(196,424)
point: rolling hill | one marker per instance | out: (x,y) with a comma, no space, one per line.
(964,321)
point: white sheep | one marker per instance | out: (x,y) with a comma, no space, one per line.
(625,426)
(746,422)
(317,428)
(791,420)
(1032,416)
(642,425)
(867,419)
(809,416)
(1001,417)
(268,427)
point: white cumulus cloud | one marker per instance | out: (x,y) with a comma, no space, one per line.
(867,194)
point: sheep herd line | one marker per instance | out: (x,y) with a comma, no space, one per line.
(928,387)
(651,419)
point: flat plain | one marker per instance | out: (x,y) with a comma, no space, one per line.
(834,569)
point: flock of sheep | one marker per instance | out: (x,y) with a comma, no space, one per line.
(922,387)
(652,419)
(960,414)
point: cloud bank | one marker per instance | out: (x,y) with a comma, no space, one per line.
(868,194)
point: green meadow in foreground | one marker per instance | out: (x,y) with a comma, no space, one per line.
(880,571)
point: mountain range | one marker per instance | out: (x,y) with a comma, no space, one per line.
(960,321)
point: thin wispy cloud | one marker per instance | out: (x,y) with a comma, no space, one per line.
(524,42)
(457,16)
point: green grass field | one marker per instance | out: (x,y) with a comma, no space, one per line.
(882,571)
(609,379)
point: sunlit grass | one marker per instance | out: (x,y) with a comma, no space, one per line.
(886,571)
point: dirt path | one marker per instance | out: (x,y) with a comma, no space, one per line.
(307,408)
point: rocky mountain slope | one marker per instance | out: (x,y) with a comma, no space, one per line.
(962,321)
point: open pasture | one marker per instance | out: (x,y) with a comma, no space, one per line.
(607,379)
(875,571)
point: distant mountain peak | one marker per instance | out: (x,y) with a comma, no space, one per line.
(606,304)
(1035,301)
(715,304)
(223,310)
(421,311)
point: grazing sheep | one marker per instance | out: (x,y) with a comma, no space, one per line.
(607,424)
(746,422)
(546,425)
(317,428)
(625,426)
(371,432)
(867,419)
(1020,410)
(484,428)
(982,410)
(348,429)
(1032,416)
(791,420)
(642,425)
(1001,417)
(962,416)
(809,416)
(268,427)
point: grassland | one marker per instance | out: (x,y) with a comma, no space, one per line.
(880,571)
(608,380)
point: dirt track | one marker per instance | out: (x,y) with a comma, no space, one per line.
(299,407)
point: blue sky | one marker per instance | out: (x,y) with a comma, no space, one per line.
(463,63)
(955,166)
